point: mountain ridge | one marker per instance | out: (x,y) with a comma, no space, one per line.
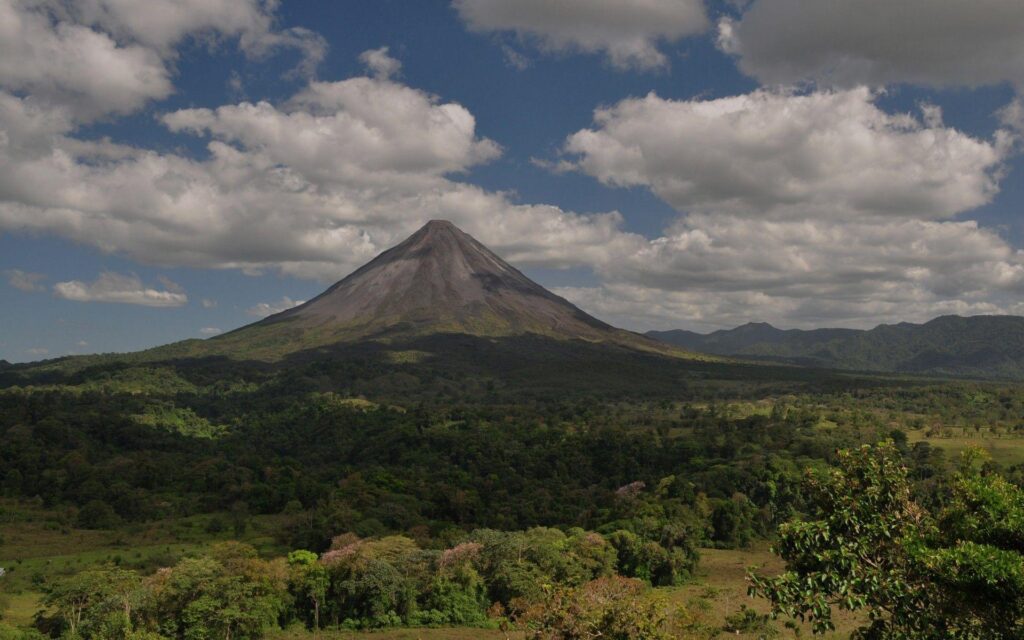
(986,346)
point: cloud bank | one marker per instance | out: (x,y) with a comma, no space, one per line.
(798,208)
(801,207)
(879,42)
(98,57)
(626,31)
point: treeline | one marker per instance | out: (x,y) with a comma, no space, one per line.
(486,579)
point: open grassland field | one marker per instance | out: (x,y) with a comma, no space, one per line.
(1005,449)
(21,607)
(38,546)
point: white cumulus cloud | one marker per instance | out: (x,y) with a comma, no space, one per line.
(121,288)
(721,270)
(772,154)
(380,62)
(801,209)
(264,309)
(99,57)
(313,187)
(813,207)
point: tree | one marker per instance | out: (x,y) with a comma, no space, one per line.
(955,574)
(230,594)
(456,593)
(12,482)
(614,607)
(732,522)
(98,601)
(309,580)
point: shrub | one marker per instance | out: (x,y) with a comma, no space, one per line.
(746,620)
(215,525)
(97,514)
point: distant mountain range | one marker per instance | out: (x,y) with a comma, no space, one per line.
(977,346)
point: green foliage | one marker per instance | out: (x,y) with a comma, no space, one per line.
(978,347)
(955,574)
(456,597)
(229,594)
(639,558)
(746,620)
(183,420)
(98,603)
(97,514)
(732,522)
(517,564)
(653,458)
(8,632)
(613,607)
(308,581)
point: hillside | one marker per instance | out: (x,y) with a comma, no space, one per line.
(978,346)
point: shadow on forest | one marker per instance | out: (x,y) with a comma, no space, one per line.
(472,369)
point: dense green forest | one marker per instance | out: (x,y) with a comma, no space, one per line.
(410,491)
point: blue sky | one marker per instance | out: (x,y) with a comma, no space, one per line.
(192,165)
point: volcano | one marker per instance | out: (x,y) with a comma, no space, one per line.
(440,280)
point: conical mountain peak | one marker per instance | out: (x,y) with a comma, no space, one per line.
(439,279)
(437,228)
(440,224)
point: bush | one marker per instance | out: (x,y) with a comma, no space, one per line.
(746,620)
(215,525)
(97,514)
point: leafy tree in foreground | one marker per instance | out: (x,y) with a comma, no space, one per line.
(958,573)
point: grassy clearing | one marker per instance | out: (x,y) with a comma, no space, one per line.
(36,547)
(720,589)
(21,608)
(1005,450)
